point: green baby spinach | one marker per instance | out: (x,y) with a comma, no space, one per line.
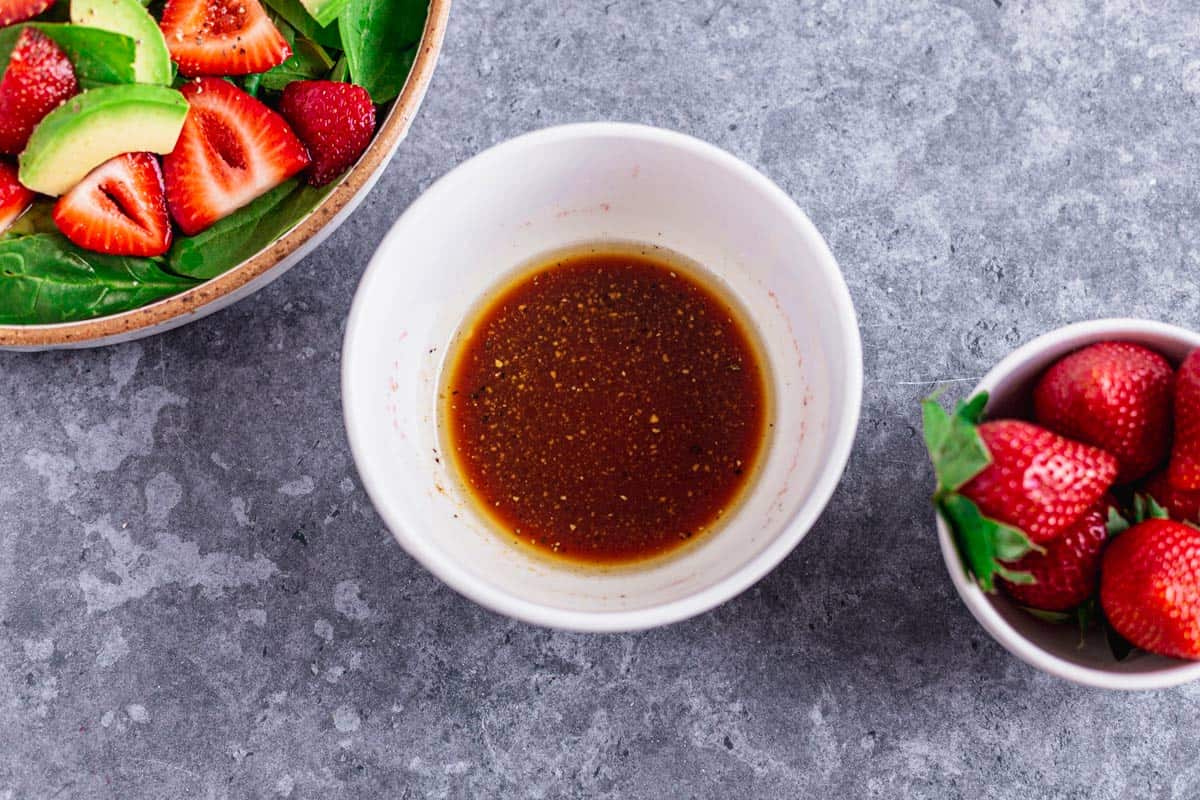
(380,38)
(299,18)
(309,61)
(46,279)
(243,233)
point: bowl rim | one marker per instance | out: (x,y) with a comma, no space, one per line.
(380,151)
(359,432)
(1075,335)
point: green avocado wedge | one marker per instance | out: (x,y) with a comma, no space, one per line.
(92,127)
(152,63)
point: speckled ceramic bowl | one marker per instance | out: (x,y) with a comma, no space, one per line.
(273,260)
(1056,649)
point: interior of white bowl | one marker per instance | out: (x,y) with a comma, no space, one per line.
(558,188)
(1057,648)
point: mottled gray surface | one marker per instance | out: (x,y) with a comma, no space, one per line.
(197,600)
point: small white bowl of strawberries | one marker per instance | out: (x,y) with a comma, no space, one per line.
(1068,500)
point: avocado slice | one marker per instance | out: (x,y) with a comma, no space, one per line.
(152,63)
(92,127)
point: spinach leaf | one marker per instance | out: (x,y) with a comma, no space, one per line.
(251,82)
(99,57)
(324,11)
(8,40)
(309,61)
(44,278)
(380,38)
(285,29)
(299,18)
(243,233)
(341,70)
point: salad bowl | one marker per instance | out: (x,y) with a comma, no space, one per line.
(275,258)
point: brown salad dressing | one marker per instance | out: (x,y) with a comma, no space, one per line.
(606,406)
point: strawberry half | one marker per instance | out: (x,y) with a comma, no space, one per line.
(1184,470)
(13,11)
(1115,396)
(118,209)
(1065,575)
(1038,482)
(1150,587)
(222,37)
(14,198)
(335,120)
(38,79)
(231,150)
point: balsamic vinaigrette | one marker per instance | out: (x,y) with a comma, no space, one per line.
(606,406)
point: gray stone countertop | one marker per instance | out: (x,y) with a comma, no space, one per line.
(198,601)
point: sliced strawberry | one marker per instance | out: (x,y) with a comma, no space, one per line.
(1150,587)
(335,120)
(118,209)
(38,79)
(1115,396)
(1038,482)
(1184,469)
(1065,575)
(222,37)
(232,149)
(14,198)
(13,11)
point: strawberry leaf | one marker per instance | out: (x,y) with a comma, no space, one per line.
(972,410)
(1155,510)
(984,543)
(955,448)
(1116,523)
(1057,617)
(1083,616)
(1146,507)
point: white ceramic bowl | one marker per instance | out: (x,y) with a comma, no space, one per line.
(1056,648)
(552,189)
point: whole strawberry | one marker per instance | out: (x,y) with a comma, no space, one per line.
(1004,486)
(1181,504)
(1037,481)
(1184,470)
(334,120)
(1065,575)
(1114,395)
(1150,587)
(36,79)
